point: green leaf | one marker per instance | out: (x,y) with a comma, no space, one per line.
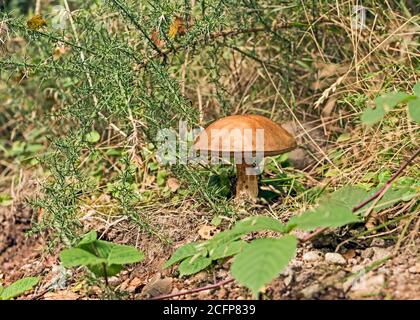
(394,196)
(384,104)
(416,89)
(331,215)
(414,109)
(193,265)
(227,250)
(350,196)
(19,287)
(78,257)
(93,137)
(247,225)
(371,116)
(161,177)
(123,254)
(88,238)
(262,260)
(111,270)
(5,200)
(216,221)
(183,252)
(389,100)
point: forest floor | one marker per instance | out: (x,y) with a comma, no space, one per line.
(370,268)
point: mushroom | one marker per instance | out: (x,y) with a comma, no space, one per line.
(245,138)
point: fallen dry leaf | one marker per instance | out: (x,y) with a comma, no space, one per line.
(36,22)
(177,27)
(134,284)
(59,52)
(207,232)
(157,286)
(173,184)
(329,107)
(156,40)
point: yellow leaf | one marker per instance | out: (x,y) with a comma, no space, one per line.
(36,22)
(177,27)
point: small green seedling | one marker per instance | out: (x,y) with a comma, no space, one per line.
(17,288)
(103,258)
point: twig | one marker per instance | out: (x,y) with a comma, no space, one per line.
(138,26)
(382,190)
(212,286)
(313,234)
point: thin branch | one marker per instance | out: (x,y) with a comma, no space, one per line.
(212,286)
(382,190)
(138,26)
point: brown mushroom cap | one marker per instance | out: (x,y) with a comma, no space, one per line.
(276,139)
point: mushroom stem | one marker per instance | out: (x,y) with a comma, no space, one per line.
(246,185)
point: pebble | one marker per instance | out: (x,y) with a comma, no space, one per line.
(415,268)
(368,285)
(312,256)
(310,291)
(335,258)
(380,253)
(288,279)
(368,253)
(377,242)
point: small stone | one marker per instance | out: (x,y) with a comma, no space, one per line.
(288,279)
(415,268)
(312,256)
(157,287)
(380,253)
(367,285)
(221,294)
(335,258)
(349,254)
(310,291)
(201,276)
(368,253)
(377,242)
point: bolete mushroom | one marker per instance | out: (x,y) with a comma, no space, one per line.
(245,137)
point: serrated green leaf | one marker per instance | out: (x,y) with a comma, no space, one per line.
(247,225)
(88,238)
(78,257)
(330,215)
(371,116)
(414,109)
(183,252)
(227,250)
(416,89)
(123,254)
(350,196)
(19,287)
(262,260)
(193,265)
